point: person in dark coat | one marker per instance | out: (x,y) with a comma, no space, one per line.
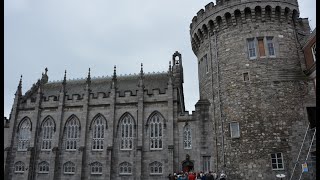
(209,176)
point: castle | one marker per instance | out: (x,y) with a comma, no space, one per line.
(254,109)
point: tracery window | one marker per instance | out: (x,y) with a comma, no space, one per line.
(44,167)
(98,133)
(125,168)
(96,168)
(156,132)
(69,168)
(187,137)
(126,129)
(72,134)
(156,168)
(19,167)
(24,135)
(47,134)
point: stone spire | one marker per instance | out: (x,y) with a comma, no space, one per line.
(89,78)
(19,89)
(65,78)
(44,78)
(141,77)
(114,78)
(170,74)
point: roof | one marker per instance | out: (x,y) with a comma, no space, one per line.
(103,84)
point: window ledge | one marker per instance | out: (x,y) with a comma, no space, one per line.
(19,172)
(97,150)
(70,173)
(125,149)
(155,174)
(96,173)
(125,174)
(43,172)
(277,169)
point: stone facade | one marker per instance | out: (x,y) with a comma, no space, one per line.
(250,120)
(139,96)
(264,91)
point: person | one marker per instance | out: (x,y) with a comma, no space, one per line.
(198,176)
(215,176)
(209,176)
(203,176)
(223,176)
(191,176)
(182,177)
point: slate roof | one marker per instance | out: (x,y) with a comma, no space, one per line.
(103,84)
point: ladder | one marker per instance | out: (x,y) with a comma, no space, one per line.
(309,149)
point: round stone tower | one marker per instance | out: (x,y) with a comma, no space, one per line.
(250,69)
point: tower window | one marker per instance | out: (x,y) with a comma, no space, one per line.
(251,48)
(19,167)
(262,52)
(263,44)
(234,130)
(270,46)
(98,133)
(126,133)
(277,161)
(206,61)
(246,76)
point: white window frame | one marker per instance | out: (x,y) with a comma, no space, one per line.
(232,130)
(44,167)
(96,166)
(72,134)
(68,165)
(19,165)
(155,165)
(253,40)
(124,165)
(98,133)
(269,40)
(313,50)
(24,135)
(126,133)
(187,137)
(156,132)
(276,158)
(47,134)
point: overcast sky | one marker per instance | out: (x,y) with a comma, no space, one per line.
(75,35)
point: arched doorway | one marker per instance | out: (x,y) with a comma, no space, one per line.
(187,165)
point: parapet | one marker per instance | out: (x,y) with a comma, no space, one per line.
(230,13)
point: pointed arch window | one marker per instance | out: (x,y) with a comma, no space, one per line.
(125,168)
(126,129)
(96,168)
(98,133)
(24,135)
(187,139)
(47,134)
(69,168)
(72,134)
(44,167)
(19,167)
(156,168)
(156,132)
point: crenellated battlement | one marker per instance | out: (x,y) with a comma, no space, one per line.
(232,13)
